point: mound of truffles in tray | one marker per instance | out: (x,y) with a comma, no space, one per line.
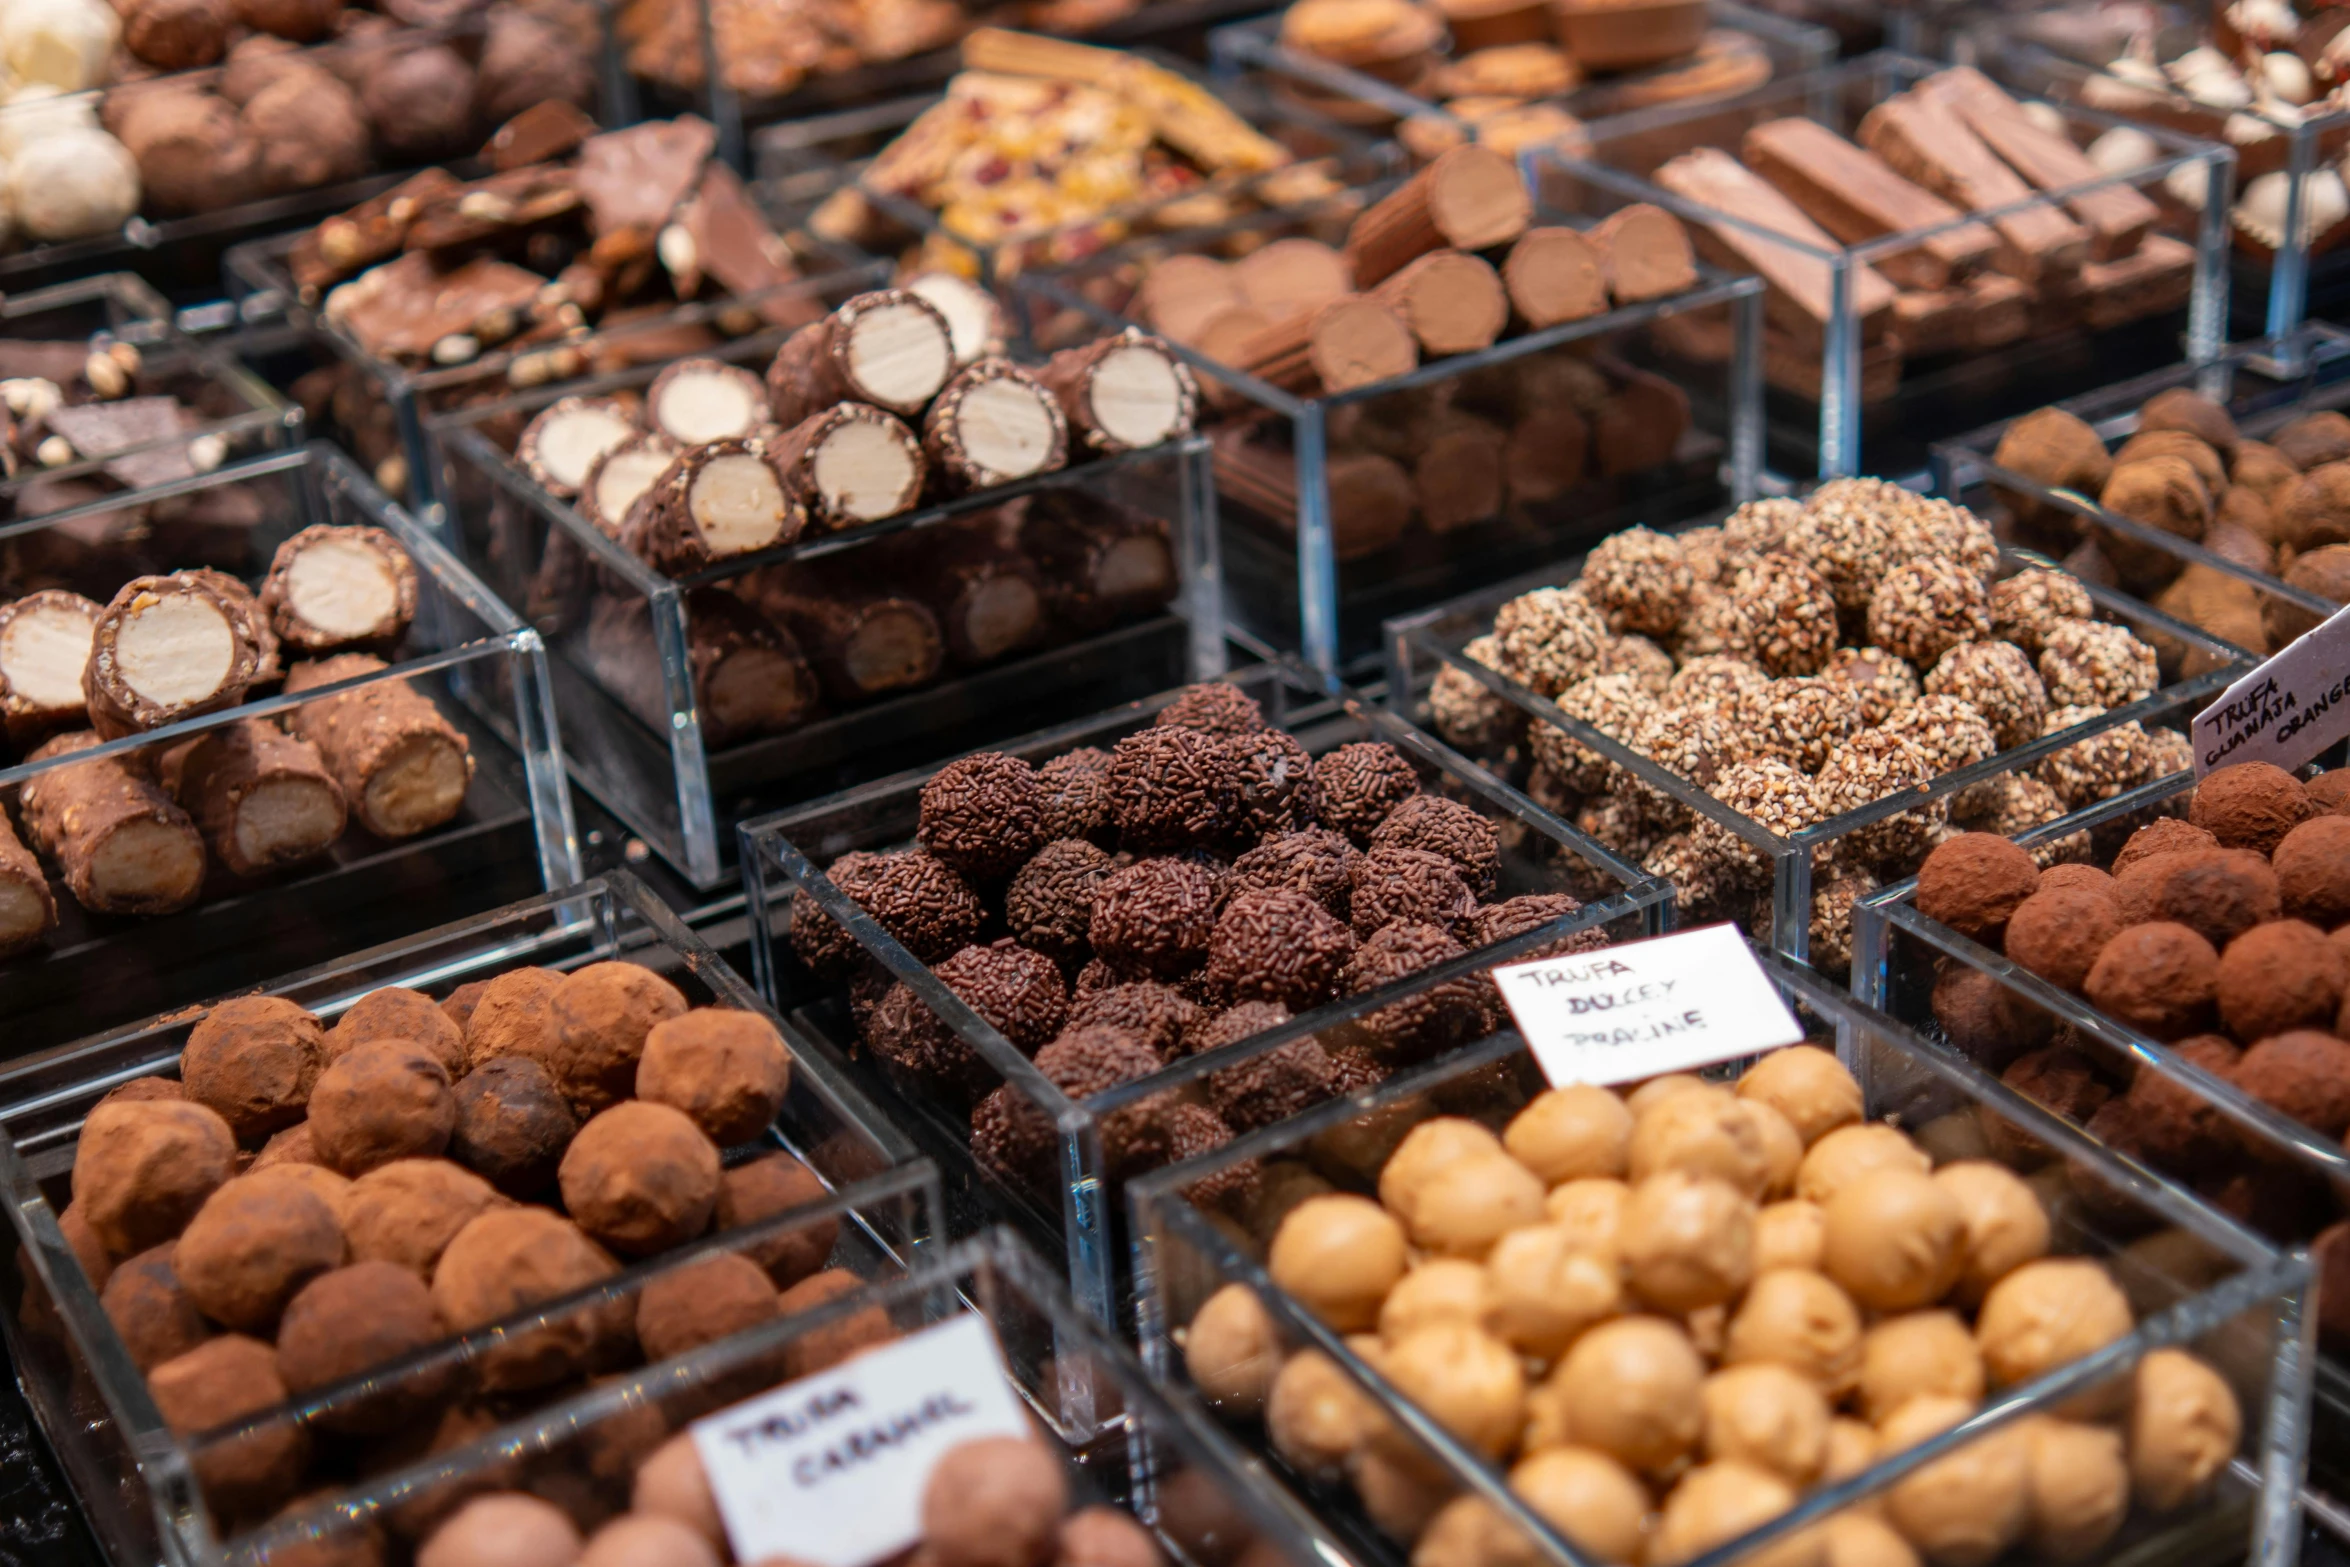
(134,832)
(1200,883)
(2279,507)
(1799,662)
(1668,1315)
(2220,935)
(1955,143)
(305,1203)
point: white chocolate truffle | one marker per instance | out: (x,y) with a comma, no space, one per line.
(1426,1149)
(1967,1509)
(1543,1293)
(1917,1354)
(1340,1255)
(63,44)
(1591,1212)
(1633,1388)
(1808,1086)
(1587,1496)
(1894,1241)
(2005,1225)
(1768,1416)
(1801,1320)
(1570,1134)
(1232,1351)
(1857,1539)
(2047,1314)
(2080,1487)
(1850,1152)
(1789,1235)
(1687,1241)
(73,185)
(2183,1428)
(1442,1289)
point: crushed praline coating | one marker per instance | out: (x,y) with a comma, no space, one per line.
(1691,743)
(2026,606)
(1997,680)
(1615,705)
(1848,537)
(2020,802)
(1924,607)
(1948,732)
(1642,659)
(1715,680)
(2090,663)
(1717,624)
(1550,638)
(1639,580)
(1465,712)
(1884,681)
(2098,767)
(1866,768)
(1769,793)
(1803,717)
(1759,527)
(1792,610)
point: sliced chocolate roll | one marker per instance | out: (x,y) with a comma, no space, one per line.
(165,649)
(891,348)
(567,438)
(44,647)
(993,424)
(1124,393)
(988,596)
(850,465)
(714,502)
(123,847)
(864,642)
(622,477)
(267,671)
(696,401)
(975,322)
(334,588)
(402,767)
(749,677)
(263,798)
(28,910)
(1102,562)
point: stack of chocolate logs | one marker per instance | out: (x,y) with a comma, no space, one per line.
(1953,144)
(133,833)
(1414,285)
(715,465)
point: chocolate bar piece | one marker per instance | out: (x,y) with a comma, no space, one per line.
(402,767)
(863,640)
(122,844)
(1923,140)
(1856,196)
(2118,216)
(635,178)
(1471,198)
(1800,292)
(44,647)
(408,308)
(1999,311)
(732,242)
(539,134)
(263,799)
(349,243)
(1458,477)
(1453,302)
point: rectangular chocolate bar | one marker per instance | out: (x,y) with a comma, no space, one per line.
(1856,196)
(1922,139)
(2000,310)
(1931,321)
(2118,216)
(1800,286)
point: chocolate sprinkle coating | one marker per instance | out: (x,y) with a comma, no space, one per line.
(1286,1081)
(1277,946)
(1439,1018)
(1088,1061)
(1448,828)
(1277,789)
(1314,861)
(1413,886)
(1018,992)
(2027,606)
(1194,1131)
(914,897)
(1173,789)
(1927,606)
(1155,916)
(1512,917)
(1049,905)
(982,815)
(1997,680)
(1242,1020)
(1154,1016)
(2089,663)
(1076,795)
(1361,783)
(1216,707)
(1792,610)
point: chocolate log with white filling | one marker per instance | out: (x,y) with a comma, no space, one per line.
(334,588)
(28,910)
(263,798)
(1102,562)
(1857,197)
(987,594)
(564,441)
(749,676)
(165,649)
(121,844)
(402,767)
(850,465)
(697,401)
(1123,393)
(267,670)
(621,477)
(44,647)
(891,348)
(975,322)
(864,642)
(715,502)
(994,424)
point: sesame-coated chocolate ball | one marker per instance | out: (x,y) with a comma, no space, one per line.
(640,1178)
(1314,861)
(1361,783)
(213,1384)
(350,1321)
(1639,580)
(506,1261)
(2097,766)
(981,815)
(379,1103)
(2303,1074)
(152,1312)
(513,1124)
(2219,893)
(2058,932)
(1997,680)
(1874,765)
(409,1210)
(1277,946)
(597,1020)
(1974,882)
(1922,609)
(1412,885)
(2312,865)
(1049,904)
(1278,792)
(2089,663)
(252,1244)
(2159,978)
(702,1302)
(994,1502)
(142,1167)
(1439,1018)
(728,1070)
(397,1013)
(1445,827)
(1156,1016)
(2026,606)
(914,897)
(2163,835)
(1174,789)
(1217,706)
(1615,705)
(1792,611)
(2278,977)
(758,1190)
(2250,805)
(1155,916)
(509,1014)
(1074,795)
(1549,639)
(253,1060)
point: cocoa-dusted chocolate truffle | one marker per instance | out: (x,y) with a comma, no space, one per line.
(1278,946)
(504,1262)
(822,1348)
(2046,1314)
(982,815)
(509,1015)
(1437,1018)
(2027,606)
(647,1540)
(927,907)
(252,1244)
(2057,933)
(1921,609)
(597,1020)
(1361,784)
(2097,766)
(1974,883)
(408,1211)
(458,1006)
(640,1178)
(2182,409)
(1278,789)
(1154,1014)
(1173,789)
(1216,706)
(1074,794)
(1997,680)
(1049,905)
(2314,440)
(1410,885)
(1018,992)
(2330,792)
(726,1070)
(512,1125)
(1984,1020)
(2163,835)
(379,1103)
(2312,864)
(2172,1126)
(2278,977)
(507,1527)
(994,1502)
(2089,663)
(213,1384)
(143,1088)
(2303,1074)
(771,1184)
(1792,612)
(1155,916)
(397,1013)
(2218,893)
(253,1060)
(1448,828)
(2160,978)
(1315,861)
(350,1321)
(1105,1537)
(152,1312)
(2251,805)
(700,1303)
(142,1168)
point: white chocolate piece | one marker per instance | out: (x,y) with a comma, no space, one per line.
(58,43)
(343,588)
(81,183)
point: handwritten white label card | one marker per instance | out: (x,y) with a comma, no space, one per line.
(2287,711)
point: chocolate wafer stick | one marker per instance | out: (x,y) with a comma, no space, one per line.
(1856,196)
(1452,301)
(263,799)
(1554,275)
(44,647)
(1644,252)
(1371,497)
(1469,199)
(1925,141)
(165,649)
(1458,477)
(1800,291)
(988,596)
(850,465)
(1123,393)
(333,588)
(28,910)
(890,348)
(123,847)
(2118,215)
(402,767)
(994,424)
(975,322)
(1356,341)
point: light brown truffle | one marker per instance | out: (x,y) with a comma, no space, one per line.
(820,1349)
(647,1540)
(408,1211)
(2006,1223)
(351,1320)
(597,1020)
(727,1070)
(1808,1086)
(143,1167)
(2080,1487)
(1965,1509)
(1914,1355)
(673,1484)
(252,1244)
(995,1502)
(1466,1380)
(1716,1503)
(1587,1496)
(1706,1132)
(701,1303)
(2183,1428)
(506,1527)
(1232,1351)
(1894,1241)
(1687,1241)
(1770,1416)
(253,1059)
(1574,1133)
(509,1014)
(213,1384)
(1851,1153)
(641,1178)
(2046,1314)
(1799,1319)
(1339,1255)
(151,1312)
(1633,1389)
(1538,1291)
(398,1013)
(1789,1235)
(506,1261)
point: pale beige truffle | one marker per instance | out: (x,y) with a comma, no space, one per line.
(1401,1498)
(1633,1388)
(1658,1089)
(1427,1149)
(1858,1539)
(1469,1532)
(1782,1149)
(1914,1355)
(1570,1134)
(1462,1209)
(1442,1289)
(2047,1314)
(1339,1255)
(1808,1086)
(1852,1448)
(1315,1416)
(1542,1293)
(2183,1428)
(508,1528)
(1846,1154)
(1799,1319)
(2006,1226)
(1894,1241)
(1232,1351)
(1716,1503)
(1467,1380)
(1591,1211)
(1769,1416)
(1789,1235)
(1587,1496)
(673,1484)
(1687,1241)
(2080,1491)
(1969,1508)
(1704,1132)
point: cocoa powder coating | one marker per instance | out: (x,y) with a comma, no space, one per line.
(509,1015)
(2304,1074)
(2278,977)
(143,1167)
(728,1071)
(2251,805)
(213,1384)
(759,1190)
(2163,835)
(512,1125)
(2161,978)
(381,1102)
(399,1014)
(151,1311)
(351,1321)
(408,1211)
(254,1060)
(1974,882)
(2058,932)
(597,1021)
(700,1303)
(2312,864)
(252,1244)
(640,1178)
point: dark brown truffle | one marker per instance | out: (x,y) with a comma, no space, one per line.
(2329,1254)
(350,1321)
(2063,1082)
(1156,1016)
(253,1061)
(2161,979)
(821,1349)
(1314,861)
(1273,1087)
(700,1303)
(1410,885)
(2278,977)
(1974,882)
(213,1384)
(512,1125)
(2218,893)
(1513,917)
(252,1244)
(509,1016)
(640,1178)
(2313,869)
(1013,1136)
(2074,874)
(1018,992)
(1049,905)
(379,1103)
(1436,1019)
(1155,916)
(2057,933)
(914,897)
(408,1211)
(397,1013)
(995,1502)
(154,1316)
(1445,827)
(728,1070)
(1075,794)
(2176,1129)
(1277,946)
(460,1002)
(1193,1132)
(1278,792)
(768,1185)
(2179,408)
(1361,783)
(1217,707)
(597,1022)
(2163,835)
(2314,439)
(143,1167)
(2303,1074)
(1984,1020)
(1173,789)
(2250,805)
(982,815)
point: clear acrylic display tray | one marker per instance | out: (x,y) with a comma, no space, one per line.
(482,667)
(2193,1278)
(136,1479)
(1315,565)
(784,856)
(634,733)
(1843,401)
(2196,667)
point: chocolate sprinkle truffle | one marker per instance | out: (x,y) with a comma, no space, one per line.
(1155,916)
(982,815)
(1075,796)
(1277,788)
(1049,905)
(1997,680)
(1267,1089)
(1361,784)
(1217,707)
(1155,1015)
(1513,917)
(1314,861)
(913,896)
(1019,993)
(1278,946)
(1173,789)
(2088,663)
(1439,1018)
(1412,885)
(1447,828)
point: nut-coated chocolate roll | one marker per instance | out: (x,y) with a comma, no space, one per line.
(622,477)
(715,501)
(267,667)
(850,465)
(402,767)
(123,846)
(333,588)
(749,677)
(28,909)
(1102,562)
(890,348)
(975,322)
(564,440)
(864,642)
(697,401)
(1124,393)
(994,424)
(263,798)
(988,596)
(44,647)
(168,648)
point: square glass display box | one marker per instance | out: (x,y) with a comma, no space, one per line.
(1341,510)
(1790,913)
(138,1481)
(647,727)
(1863,374)
(483,670)
(2194,1280)
(1076,1213)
